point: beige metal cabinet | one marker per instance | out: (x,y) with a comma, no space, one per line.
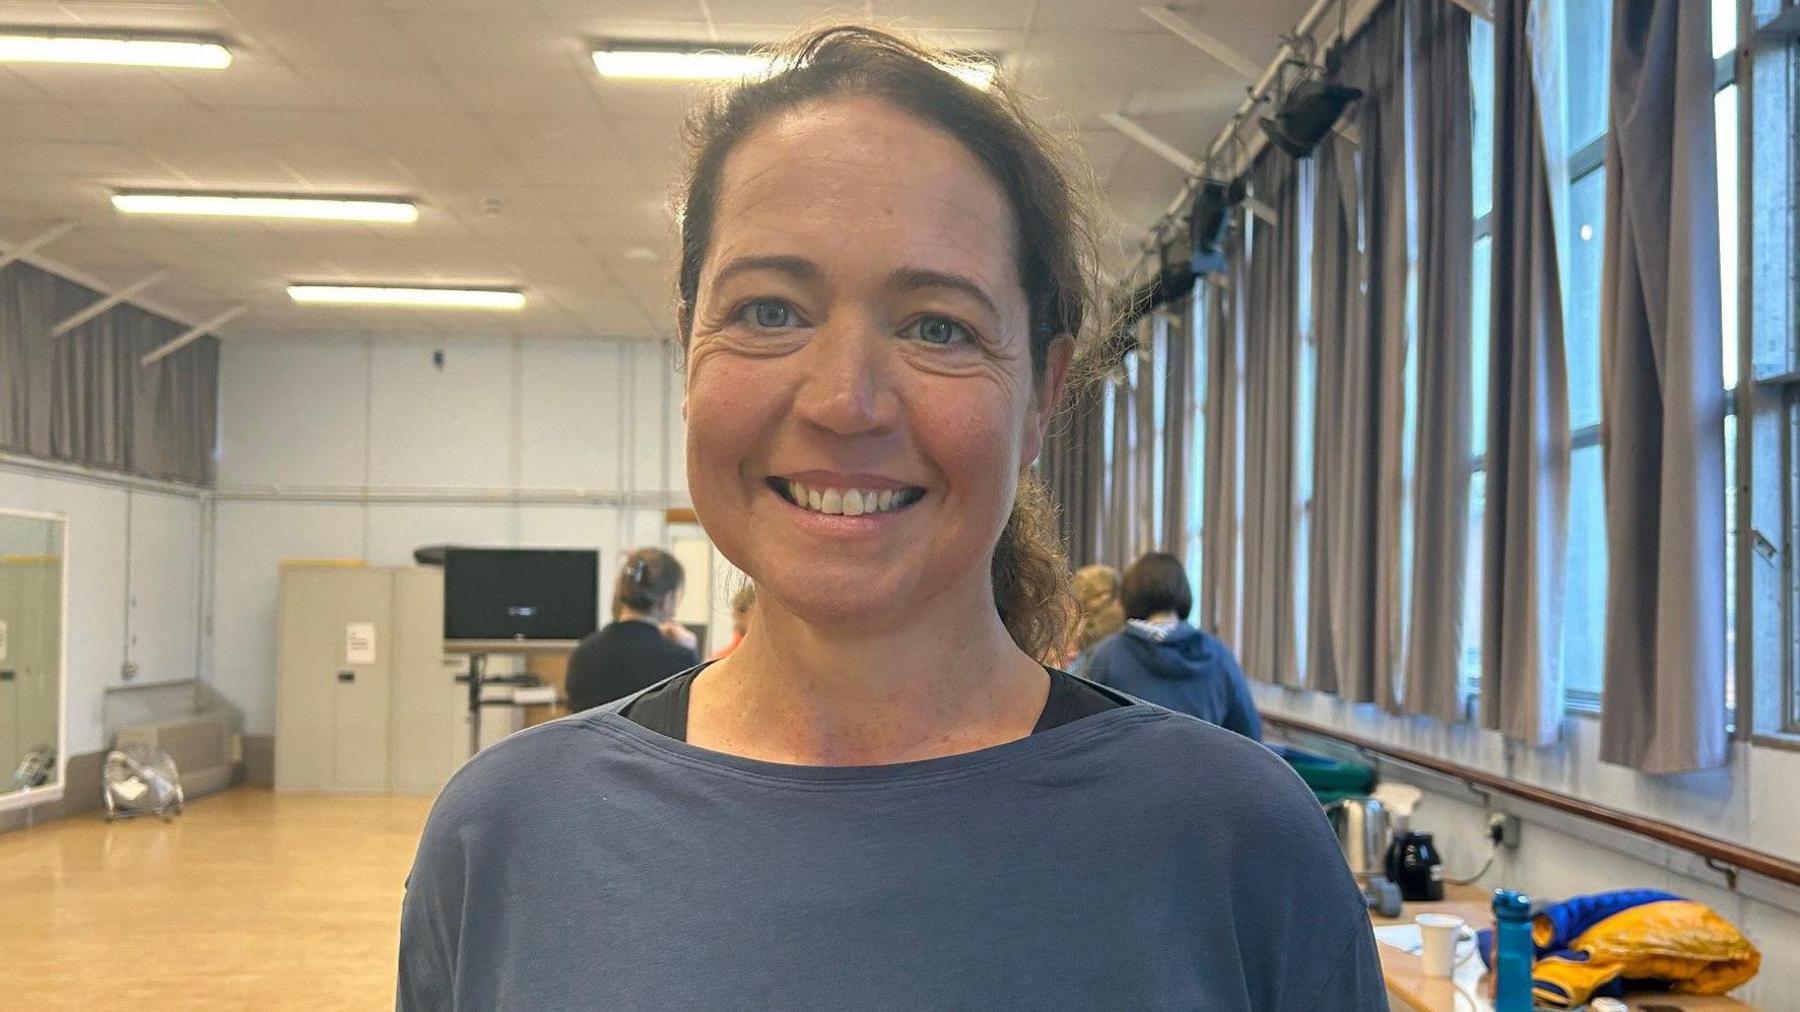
(363,703)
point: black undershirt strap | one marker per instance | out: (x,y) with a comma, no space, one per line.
(664,709)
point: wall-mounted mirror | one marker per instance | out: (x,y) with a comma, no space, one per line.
(33,548)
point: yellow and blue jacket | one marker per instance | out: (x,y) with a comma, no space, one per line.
(1632,940)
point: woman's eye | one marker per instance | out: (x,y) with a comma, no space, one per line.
(771,314)
(937,330)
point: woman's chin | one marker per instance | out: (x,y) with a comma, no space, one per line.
(841,603)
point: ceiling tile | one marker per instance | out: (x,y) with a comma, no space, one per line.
(529,92)
(343,169)
(520,41)
(249,83)
(14,88)
(590,14)
(65,158)
(43,121)
(95,85)
(147,15)
(328,33)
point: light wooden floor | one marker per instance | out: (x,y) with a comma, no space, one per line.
(249,900)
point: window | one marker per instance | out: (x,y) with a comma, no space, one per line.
(1193,546)
(1577,126)
(1481,74)
(1306,404)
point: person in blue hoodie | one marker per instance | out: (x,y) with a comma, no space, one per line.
(1158,657)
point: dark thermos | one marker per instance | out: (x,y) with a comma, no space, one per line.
(1413,865)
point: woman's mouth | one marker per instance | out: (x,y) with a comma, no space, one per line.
(849,502)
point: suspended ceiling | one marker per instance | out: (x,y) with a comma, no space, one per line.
(529,169)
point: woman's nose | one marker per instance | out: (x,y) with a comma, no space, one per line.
(845,388)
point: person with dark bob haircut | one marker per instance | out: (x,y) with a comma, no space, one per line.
(1160,658)
(883,798)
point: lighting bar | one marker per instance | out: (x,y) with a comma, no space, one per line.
(379,209)
(386,295)
(640,63)
(121,50)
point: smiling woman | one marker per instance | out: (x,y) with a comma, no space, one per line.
(874,801)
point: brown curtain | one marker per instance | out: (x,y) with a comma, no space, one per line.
(1442,115)
(1663,708)
(1360,269)
(1525,530)
(1270,356)
(1178,411)
(1073,467)
(1218,590)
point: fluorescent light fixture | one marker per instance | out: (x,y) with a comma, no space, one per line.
(380,209)
(646,63)
(122,50)
(387,295)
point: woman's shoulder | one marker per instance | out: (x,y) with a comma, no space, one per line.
(1199,767)
(530,769)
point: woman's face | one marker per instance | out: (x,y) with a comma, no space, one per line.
(859,396)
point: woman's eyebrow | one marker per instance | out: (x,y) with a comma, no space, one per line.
(919,277)
(798,267)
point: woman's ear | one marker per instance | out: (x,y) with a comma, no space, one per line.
(1057,357)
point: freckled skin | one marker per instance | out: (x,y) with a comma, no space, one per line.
(846,382)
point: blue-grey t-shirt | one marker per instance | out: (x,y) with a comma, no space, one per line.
(1133,859)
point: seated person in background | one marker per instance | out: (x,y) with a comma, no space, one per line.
(1099,613)
(741,603)
(643,644)
(1160,658)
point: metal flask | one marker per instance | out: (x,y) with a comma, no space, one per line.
(1363,831)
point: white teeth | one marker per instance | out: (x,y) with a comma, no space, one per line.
(848,502)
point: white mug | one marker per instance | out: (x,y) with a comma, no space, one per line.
(1438,934)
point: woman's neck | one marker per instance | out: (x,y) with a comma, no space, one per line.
(949,680)
(633,615)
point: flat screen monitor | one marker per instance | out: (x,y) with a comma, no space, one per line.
(520,594)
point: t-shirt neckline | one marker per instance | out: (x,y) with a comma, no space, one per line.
(962,764)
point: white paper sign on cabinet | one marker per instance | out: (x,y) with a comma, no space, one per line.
(359,643)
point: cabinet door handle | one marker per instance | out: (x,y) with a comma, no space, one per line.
(346,676)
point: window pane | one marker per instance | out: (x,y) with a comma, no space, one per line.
(1584,603)
(1478,350)
(1581,307)
(1481,82)
(1585,61)
(1471,667)
(1725,111)
(1731,500)
(1724,26)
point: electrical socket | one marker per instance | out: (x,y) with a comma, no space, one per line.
(1503,829)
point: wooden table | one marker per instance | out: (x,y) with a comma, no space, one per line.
(1468,990)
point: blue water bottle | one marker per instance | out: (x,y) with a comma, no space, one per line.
(1512,951)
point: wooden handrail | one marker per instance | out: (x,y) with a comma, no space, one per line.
(1712,848)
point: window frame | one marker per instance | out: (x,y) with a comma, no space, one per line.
(1582,163)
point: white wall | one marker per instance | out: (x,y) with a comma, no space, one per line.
(133,583)
(346,448)
(1755,802)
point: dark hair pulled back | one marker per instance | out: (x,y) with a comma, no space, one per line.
(648,576)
